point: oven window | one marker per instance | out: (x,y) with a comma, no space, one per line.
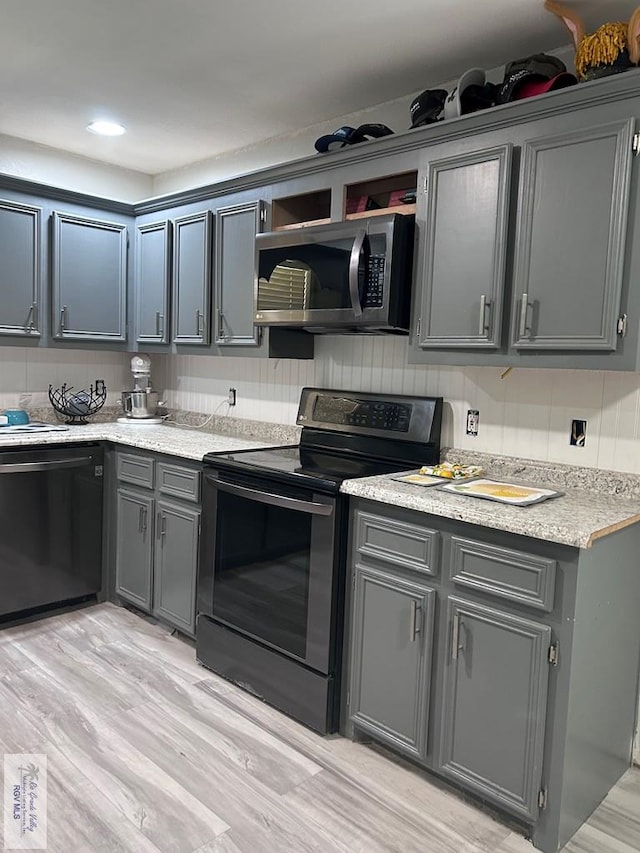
(262,567)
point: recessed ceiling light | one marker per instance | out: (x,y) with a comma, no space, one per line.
(106,128)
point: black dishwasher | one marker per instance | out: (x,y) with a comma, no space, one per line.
(50,528)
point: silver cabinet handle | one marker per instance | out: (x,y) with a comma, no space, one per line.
(63,319)
(144,519)
(29,325)
(140,517)
(159,324)
(199,322)
(310,507)
(220,324)
(162,525)
(524,308)
(455,639)
(414,627)
(483,324)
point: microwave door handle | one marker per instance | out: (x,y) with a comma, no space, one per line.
(354,263)
(271,499)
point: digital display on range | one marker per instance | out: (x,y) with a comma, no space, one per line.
(344,411)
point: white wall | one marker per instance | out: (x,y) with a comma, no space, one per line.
(34,162)
(528,413)
(26,373)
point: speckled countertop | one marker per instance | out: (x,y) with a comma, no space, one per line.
(164,438)
(576,518)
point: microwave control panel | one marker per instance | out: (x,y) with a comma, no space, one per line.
(373,295)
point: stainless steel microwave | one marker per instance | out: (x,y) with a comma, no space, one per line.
(344,276)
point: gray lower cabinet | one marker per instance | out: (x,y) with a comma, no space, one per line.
(89,278)
(391,658)
(529,699)
(192,256)
(494,704)
(134,548)
(157,536)
(176,554)
(21,254)
(153,282)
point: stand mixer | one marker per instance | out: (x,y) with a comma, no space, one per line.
(140,406)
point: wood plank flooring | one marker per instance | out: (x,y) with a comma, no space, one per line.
(150,753)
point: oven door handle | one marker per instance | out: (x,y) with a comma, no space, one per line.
(311,507)
(19,467)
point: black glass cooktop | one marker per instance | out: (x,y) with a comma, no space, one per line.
(313,467)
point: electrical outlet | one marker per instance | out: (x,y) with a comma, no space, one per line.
(578,436)
(473,419)
(231,399)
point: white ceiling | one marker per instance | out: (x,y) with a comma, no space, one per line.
(191,79)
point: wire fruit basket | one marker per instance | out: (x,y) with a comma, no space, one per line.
(77,406)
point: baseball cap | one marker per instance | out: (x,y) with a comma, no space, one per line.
(346,135)
(471,93)
(540,66)
(427,107)
(531,88)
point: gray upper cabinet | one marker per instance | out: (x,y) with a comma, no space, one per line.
(391,658)
(235,265)
(20,250)
(153,282)
(192,278)
(463,256)
(570,242)
(494,705)
(89,278)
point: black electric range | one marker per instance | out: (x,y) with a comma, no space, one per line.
(273,544)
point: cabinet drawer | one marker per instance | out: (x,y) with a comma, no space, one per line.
(397,542)
(179,482)
(503,573)
(138,470)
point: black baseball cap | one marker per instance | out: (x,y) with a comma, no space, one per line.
(540,66)
(427,107)
(350,136)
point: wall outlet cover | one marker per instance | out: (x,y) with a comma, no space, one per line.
(473,419)
(578,436)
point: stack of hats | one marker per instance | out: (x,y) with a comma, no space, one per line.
(523,78)
(346,135)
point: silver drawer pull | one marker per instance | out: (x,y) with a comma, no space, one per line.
(199,322)
(159,324)
(456,646)
(63,319)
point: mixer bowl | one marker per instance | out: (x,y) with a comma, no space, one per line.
(140,404)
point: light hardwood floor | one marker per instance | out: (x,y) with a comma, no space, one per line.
(150,753)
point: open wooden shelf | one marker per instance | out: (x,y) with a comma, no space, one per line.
(305,224)
(404,209)
(298,210)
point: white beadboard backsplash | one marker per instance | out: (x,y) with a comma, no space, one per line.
(527,413)
(26,373)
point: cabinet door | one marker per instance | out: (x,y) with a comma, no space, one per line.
(236,229)
(176,564)
(570,242)
(192,278)
(20,269)
(134,547)
(153,278)
(464,253)
(391,659)
(494,705)
(89,278)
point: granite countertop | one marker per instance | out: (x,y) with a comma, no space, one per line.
(164,438)
(577,518)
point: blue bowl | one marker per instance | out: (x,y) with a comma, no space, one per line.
(16,416)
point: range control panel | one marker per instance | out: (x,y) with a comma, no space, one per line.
(355,412)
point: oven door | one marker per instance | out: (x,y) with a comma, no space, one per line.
(268,565)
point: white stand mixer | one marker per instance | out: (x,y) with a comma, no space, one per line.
(141,405)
